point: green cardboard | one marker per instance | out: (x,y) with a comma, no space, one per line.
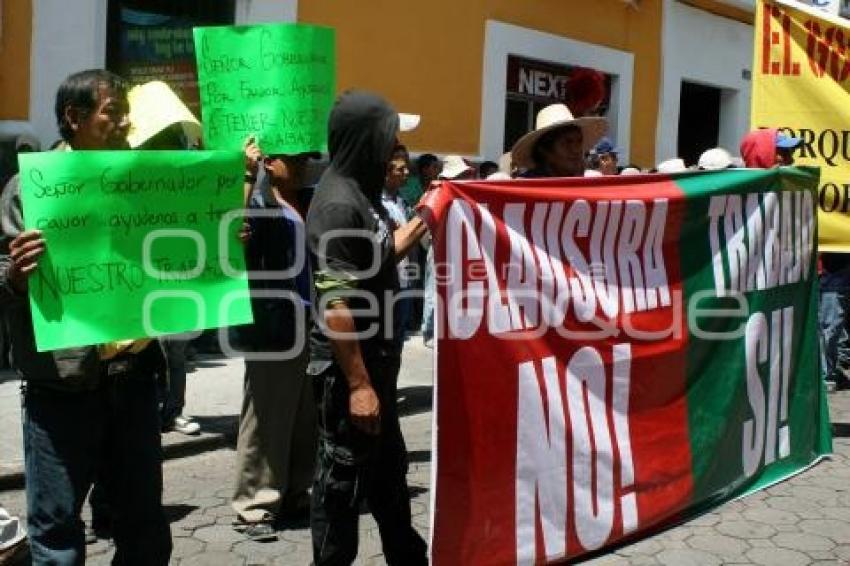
(275,81)
(138,243)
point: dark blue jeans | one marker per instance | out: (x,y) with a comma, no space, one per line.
(69,438)
(833,310)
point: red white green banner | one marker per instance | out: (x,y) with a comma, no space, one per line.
(616,355)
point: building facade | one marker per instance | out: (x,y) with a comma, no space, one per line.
(673,76)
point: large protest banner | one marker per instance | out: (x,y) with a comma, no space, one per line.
(801,84)
(275,81)
(617,354)
(139,243)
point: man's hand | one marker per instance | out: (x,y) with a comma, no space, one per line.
(24,252)
(253,155)
(245,233)
(365,409)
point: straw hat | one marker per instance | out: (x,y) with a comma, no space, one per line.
(553,117)
(154,107)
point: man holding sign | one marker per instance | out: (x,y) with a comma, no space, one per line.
(90,408)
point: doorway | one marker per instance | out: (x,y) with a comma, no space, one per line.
(699,120)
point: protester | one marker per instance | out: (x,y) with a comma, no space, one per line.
(603,157)
(91,408)
(14,548)
(454,168)
(276,446)
(361,453)
(487,168)
(399,214)
(833,313)
(160,121)
(558,144)
(768,148)
(715,159)
(427,167)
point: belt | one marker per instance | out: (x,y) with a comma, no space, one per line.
(121,365)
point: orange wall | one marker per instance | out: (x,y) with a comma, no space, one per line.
(15,38)
(427,57)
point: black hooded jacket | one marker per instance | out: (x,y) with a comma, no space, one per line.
(348,234)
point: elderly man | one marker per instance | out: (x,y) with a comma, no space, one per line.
(558,144)
(85,409)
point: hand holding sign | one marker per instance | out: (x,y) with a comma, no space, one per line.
(275,81)
(24,252)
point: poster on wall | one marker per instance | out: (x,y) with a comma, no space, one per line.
(154,46)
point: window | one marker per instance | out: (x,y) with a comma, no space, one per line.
(533,84)
(152,40)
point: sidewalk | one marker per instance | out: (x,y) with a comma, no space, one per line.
(213,397)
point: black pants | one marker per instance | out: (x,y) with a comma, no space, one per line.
(353,466)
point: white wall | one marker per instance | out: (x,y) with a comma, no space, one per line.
(503,39)
(65,40)
(711,50)
(261,11)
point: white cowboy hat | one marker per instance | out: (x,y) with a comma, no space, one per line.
(454,166)
(553,117)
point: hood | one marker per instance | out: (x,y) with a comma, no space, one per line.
(362,133)
(758,148)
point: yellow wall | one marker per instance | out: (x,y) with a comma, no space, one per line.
(15,39)
(427,57)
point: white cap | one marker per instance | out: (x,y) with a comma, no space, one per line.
(715,159)
(592,173)
(499,176)
(408,122)
(630,171)
(676,165)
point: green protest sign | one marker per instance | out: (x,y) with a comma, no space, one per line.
(139,243)
(276,81)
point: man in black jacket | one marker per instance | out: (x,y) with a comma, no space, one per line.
(353,361)
(90,410)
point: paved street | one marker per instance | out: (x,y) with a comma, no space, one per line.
(802,521)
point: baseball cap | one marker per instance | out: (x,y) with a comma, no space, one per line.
(605,145)
(786,142)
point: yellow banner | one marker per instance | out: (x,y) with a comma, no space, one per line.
(801,84)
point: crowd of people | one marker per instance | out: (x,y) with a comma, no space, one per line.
(319,430)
